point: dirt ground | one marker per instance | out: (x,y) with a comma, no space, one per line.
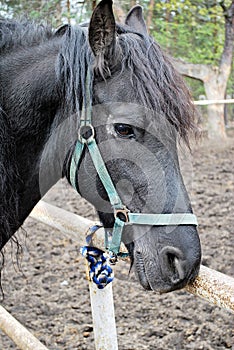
(50,294)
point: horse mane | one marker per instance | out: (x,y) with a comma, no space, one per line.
(71,68)
(22,33)
(13,35)
(73,61)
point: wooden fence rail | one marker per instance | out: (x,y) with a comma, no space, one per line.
(18,333)
(212,102)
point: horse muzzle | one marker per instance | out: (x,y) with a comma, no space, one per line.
(164,267)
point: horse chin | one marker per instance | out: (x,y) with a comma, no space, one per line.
(138,264)
(142,277)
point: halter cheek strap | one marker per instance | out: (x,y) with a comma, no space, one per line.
(122,215)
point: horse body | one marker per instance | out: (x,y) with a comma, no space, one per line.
(139,106)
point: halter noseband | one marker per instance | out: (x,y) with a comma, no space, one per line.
(122,215)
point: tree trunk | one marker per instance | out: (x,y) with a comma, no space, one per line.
(150,15)
(68,11)
(215,84)
(215,78)
(94,4)
(215,88)
(216,121)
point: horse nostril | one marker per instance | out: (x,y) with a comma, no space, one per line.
(173,264)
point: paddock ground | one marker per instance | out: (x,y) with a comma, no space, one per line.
(49,295)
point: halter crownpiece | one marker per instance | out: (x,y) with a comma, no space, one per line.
(122,215)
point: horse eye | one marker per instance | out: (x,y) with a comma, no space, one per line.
(124,130)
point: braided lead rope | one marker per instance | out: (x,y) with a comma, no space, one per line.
(99,261)
(100,271)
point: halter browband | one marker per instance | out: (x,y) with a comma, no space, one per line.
(122,215)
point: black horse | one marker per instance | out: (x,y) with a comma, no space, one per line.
(140,108)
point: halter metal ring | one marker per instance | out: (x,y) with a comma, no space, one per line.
(86,133)
(122,214)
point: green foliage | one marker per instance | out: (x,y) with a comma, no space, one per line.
(54,12)
(49,11)
(190,29)
(193,30)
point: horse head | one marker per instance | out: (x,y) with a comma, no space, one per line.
(139,107)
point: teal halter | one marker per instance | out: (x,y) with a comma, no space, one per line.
(122,215)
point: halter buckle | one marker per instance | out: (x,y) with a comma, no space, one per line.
(122,214)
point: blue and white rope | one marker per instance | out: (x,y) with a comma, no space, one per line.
(100,271)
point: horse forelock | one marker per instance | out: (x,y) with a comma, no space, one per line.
(158,85)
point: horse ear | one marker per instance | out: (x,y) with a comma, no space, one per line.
(136,21)
(102,31)
(61,30)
